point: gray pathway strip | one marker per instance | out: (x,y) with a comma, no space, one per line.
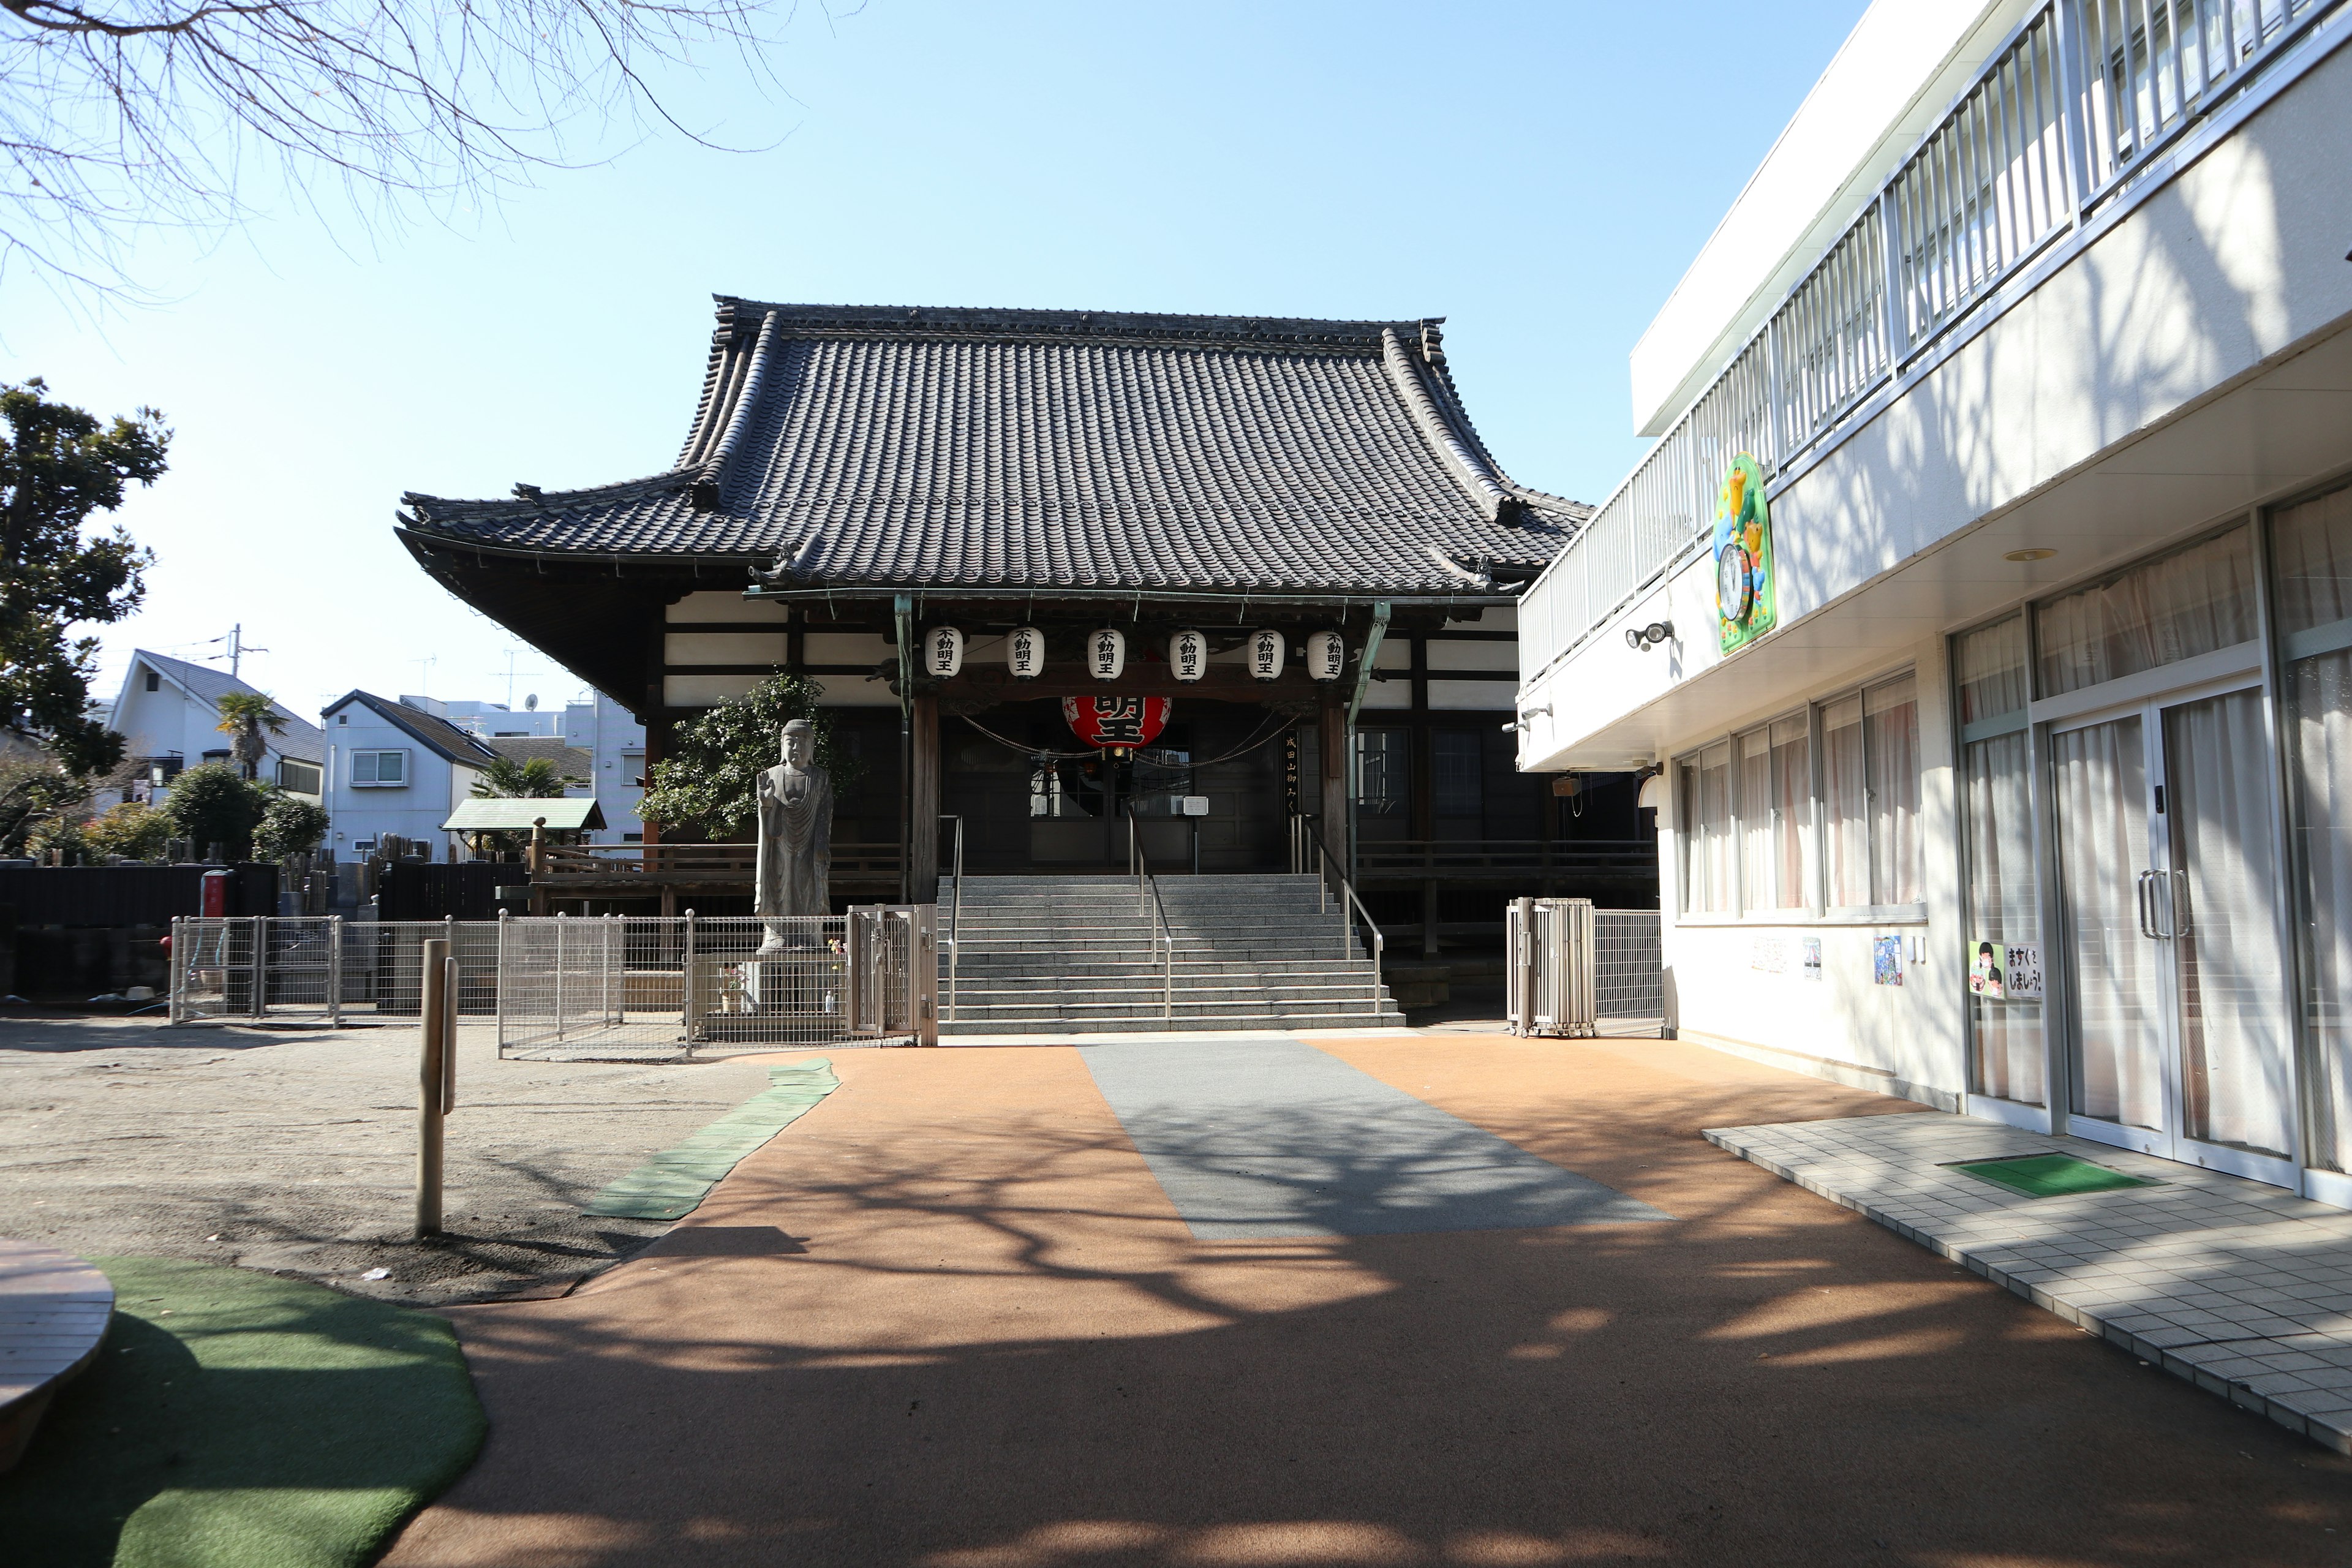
(2240,1287)
(1265,1138)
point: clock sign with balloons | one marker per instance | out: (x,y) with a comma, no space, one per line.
(1747,602)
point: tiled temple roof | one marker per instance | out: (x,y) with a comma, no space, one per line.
(847,447)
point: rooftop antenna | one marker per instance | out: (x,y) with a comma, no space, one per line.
(424,673)
(237,648)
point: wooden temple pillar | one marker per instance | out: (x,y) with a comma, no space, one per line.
(1331,732)
(923,796)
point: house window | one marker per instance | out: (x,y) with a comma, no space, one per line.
(1764,830)
(379,770)
(343,717)
(154,681)
(302,778)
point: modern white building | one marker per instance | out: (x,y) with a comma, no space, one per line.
(616,745)
(168,713)
(1985,606)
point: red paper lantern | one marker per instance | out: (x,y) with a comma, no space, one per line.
(1119,721)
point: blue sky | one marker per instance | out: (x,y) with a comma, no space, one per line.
(1540,175)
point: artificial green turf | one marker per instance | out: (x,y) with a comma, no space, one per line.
(2052,1175)
(672,1183)
(234,1419)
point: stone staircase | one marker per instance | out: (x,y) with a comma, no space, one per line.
(1066,955)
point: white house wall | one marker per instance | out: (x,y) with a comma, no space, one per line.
(2188,362)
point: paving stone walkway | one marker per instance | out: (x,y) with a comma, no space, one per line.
(2240,1287)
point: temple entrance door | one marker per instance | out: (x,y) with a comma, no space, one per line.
(2181,1043)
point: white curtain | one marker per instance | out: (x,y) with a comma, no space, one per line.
(2159,612)
(1793,810)
(1991,671)
(2238,1067)
(2009,1039)
(1846,808)
(2313,543)
(1756,821)
(1893,746)
(2103,847)
(2319,730)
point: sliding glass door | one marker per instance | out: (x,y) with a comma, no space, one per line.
(2180,1042)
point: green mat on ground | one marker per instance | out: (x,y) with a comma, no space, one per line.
(674,1182)
(2052,1175)
(238,1420)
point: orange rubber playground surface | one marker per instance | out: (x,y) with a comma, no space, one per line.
(951,1318)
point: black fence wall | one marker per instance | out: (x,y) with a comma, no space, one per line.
(127,895)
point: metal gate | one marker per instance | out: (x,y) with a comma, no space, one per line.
(1576,970)
(320,969)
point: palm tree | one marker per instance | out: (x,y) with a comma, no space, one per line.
(503,778)
(244,715)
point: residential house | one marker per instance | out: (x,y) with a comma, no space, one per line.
(168,713)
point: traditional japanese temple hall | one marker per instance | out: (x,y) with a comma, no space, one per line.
(1058,571)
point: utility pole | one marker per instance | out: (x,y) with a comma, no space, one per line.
(237,647)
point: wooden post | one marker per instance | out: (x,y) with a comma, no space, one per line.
(432,1084)
(538,856)
(1331,736)
(923,786)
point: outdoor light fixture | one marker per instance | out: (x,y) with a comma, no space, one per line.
(2037,554)
(1024,653)
(1642,640)
(1188,655)
(1519,723)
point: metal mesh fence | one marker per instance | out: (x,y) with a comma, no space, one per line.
(562,986)
(1629,987)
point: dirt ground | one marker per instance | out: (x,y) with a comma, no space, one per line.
(951,1320)
(294,1150)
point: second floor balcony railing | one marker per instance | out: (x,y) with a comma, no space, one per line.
(2058,122)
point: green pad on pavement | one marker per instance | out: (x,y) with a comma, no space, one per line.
(671,1183)
(2052,1175)
(236,1419)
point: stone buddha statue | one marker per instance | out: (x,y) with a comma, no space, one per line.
(795,861)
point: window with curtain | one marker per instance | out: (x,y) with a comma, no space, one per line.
(1757,872)
(2193,601)
(1705,809)
(1793,812)
(1891,742)
(2007,1043)
(1845,805)
(2310,550)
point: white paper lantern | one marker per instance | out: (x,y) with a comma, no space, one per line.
(943,651)
(1188,655)
(1327,655)
(1024,653)
(1266,655)
(1106,653)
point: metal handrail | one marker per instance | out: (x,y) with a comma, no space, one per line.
(1141,863)
(955,913)
(1303,833)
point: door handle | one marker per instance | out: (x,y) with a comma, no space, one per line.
(2140,893)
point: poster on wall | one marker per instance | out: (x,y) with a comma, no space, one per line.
(1769,954)
(2024,978)
(1988,971)
(1747,599)
(2005,972)
(1886,961)
(1812,958)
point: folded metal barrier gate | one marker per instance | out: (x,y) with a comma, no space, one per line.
(566,986)
(1575,971)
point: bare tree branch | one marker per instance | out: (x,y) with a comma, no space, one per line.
(122,116)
